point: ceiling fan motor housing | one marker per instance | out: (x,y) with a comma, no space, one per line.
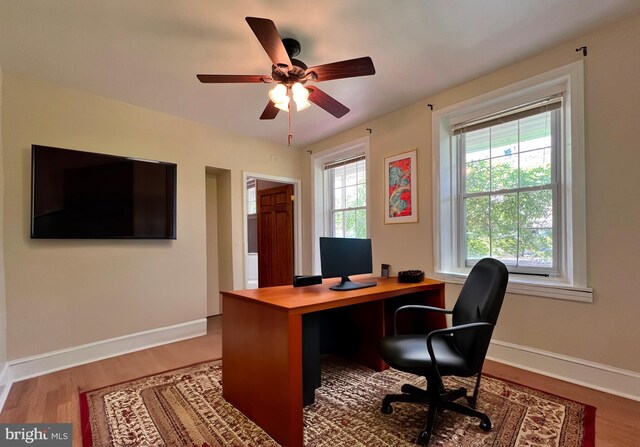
(289,76)
(297,71)
(292,46)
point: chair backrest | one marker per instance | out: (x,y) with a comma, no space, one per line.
(480,300)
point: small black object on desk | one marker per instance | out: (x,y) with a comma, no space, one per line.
(411,276)
(306,280)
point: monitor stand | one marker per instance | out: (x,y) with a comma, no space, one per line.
(347,284)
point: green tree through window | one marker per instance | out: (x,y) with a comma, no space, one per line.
(347,197)
(507,191)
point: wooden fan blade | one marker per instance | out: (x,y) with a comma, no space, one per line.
(268,36)
(270,111)
(325,101)
(351,68)
(221,79)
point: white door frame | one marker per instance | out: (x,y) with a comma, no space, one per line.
(297,217)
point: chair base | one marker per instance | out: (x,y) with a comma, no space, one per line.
(436,401)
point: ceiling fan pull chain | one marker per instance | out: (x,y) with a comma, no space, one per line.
(290,136)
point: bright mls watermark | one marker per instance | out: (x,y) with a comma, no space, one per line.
(35,435)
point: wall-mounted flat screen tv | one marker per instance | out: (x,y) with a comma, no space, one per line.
(84,195)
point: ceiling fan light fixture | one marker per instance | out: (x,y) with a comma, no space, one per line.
(283,105)
(300,96)
(279,94)
(299,92)
(301,105)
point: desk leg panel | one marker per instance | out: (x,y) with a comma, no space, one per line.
(368,318)
(262,366)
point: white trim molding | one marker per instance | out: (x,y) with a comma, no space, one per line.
(40,364)
(297,218)
(571,282)
(5,383)
(608,379)
(530,288)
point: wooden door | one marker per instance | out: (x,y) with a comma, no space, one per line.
(275,236)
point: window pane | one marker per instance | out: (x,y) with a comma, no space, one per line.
(504,172)
(535,167)
(251,200)
(351,196)
(350,223)
(478,176)
(338,227)
(535,131)
(339,177)
(351,173)
(478,227)
(536,229)
(361,223)
(504,228)
(477,145)
(536,209)
(338,198)
(362,172)
(362,195)
(536,248)
(504,139)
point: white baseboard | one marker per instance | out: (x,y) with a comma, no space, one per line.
(38,365)
(601,377)
(5,383)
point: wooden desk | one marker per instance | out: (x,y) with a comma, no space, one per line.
(262,342)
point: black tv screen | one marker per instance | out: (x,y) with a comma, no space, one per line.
(342,257)
(84,195)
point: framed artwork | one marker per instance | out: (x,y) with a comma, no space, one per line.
(401,188)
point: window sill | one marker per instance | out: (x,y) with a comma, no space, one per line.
(546,289)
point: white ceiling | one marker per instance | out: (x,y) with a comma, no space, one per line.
(147,52)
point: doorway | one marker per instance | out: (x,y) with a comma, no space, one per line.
(219,235)
(273,231)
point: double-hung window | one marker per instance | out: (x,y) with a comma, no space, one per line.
(346,197)
(508,195)
(509,185)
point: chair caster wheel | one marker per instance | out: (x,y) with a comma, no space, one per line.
(386,406)
(423,438)
(485,425)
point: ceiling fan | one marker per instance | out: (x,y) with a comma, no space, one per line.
(290,75)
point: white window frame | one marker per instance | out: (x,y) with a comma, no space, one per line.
(330,211)
(319,225)
(572,282)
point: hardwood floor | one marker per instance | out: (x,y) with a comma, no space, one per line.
(54,397)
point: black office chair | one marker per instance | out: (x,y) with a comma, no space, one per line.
(456,351)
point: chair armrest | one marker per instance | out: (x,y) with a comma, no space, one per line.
(452,330)
(416,307)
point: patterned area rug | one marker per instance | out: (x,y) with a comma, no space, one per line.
(185,408)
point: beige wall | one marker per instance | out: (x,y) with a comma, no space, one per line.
(213,287)
(230,234)
(605,331)
(3,307)
(65,293)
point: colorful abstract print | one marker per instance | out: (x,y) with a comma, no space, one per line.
(400,188)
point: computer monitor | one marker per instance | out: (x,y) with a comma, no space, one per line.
(341,257)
